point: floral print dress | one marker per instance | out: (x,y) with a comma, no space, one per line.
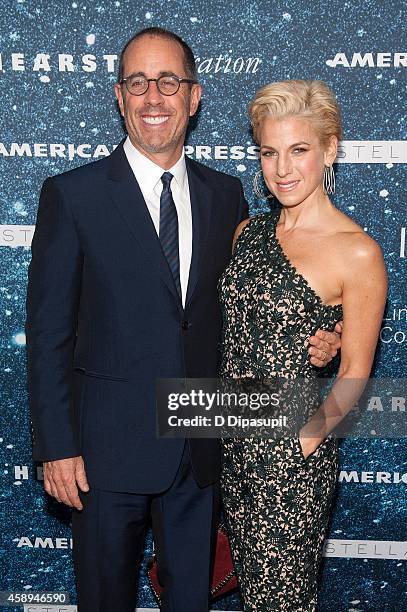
(277,503)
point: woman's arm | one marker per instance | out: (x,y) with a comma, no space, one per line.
(363,302)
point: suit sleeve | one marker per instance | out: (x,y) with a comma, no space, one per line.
(54,279)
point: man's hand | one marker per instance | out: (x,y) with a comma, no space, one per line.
(62,479)
(324,346)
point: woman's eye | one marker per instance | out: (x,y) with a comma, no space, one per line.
(300,150)
(268,153)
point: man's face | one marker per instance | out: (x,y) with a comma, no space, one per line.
(156,124)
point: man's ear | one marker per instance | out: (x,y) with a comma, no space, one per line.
(331,151)
(119,98)
(196,93)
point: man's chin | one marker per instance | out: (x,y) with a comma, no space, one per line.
(155,144)
(158,146)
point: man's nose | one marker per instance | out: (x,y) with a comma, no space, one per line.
(153,95)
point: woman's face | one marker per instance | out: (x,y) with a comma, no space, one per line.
(293,159)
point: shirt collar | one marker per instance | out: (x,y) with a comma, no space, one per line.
(147,173)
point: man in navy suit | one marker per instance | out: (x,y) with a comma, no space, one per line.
(127,253)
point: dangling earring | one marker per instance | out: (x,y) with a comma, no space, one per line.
(329,180)
(257,189)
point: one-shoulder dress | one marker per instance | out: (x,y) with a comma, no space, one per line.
(277,503)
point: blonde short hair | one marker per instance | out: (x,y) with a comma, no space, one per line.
(309,99)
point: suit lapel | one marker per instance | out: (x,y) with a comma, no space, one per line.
(127,197)
(201,205)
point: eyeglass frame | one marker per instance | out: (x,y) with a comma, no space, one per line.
(148,81)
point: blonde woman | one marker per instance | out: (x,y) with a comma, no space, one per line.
(303,267)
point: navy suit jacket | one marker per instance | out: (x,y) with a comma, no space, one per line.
(104,321)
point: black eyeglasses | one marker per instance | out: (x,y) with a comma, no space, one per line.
(138,84)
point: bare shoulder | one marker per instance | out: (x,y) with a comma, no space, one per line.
(358,251)
(352,240)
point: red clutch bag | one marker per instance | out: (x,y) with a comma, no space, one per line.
(224,578)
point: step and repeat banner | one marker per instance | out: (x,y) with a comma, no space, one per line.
(58,65)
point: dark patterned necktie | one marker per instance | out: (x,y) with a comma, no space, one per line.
(169,229)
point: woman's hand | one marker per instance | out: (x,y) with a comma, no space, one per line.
(309,445)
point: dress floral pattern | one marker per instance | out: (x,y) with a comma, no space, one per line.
(277,503)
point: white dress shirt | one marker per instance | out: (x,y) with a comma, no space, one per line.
(148,176)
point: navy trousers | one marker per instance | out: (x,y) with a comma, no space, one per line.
(108,539)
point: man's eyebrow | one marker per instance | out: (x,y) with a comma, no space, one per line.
(161,73)
(136,74)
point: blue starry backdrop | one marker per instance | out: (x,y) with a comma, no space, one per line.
(58,64)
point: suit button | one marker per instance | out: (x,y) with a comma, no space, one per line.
(185,325)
